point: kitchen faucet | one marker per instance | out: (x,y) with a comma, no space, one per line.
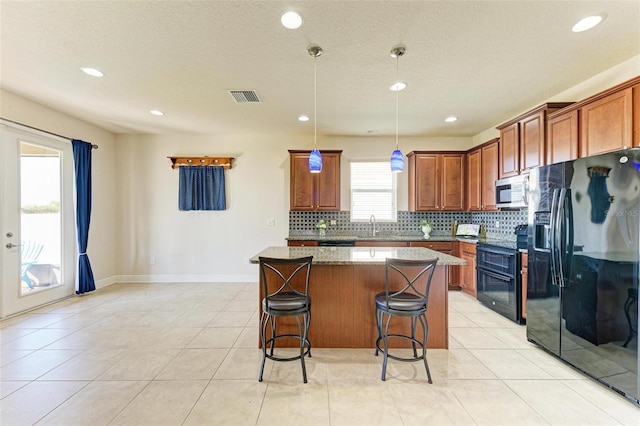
(372,219)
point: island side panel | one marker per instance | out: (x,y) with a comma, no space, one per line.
(331,326)
(332,318)
(370,280)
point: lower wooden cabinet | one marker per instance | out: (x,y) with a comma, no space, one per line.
(380,243)
(467,251)
(304,243)
(446,247)
(524,271)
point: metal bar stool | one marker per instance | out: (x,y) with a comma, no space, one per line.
(285,284)
(407,295)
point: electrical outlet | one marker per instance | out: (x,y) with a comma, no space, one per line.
(271,221)
(152,261)
(497,224)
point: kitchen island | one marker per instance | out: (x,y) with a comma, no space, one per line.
(343,284)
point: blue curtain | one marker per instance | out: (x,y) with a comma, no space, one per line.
(82,160)
(202,188)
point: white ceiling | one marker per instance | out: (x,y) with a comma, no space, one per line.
(484,61)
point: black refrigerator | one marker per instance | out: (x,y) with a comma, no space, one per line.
(583,246)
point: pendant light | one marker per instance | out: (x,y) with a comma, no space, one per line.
(397,159)
(315,159)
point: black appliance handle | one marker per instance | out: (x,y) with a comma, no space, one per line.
(494,275)
(501,252)
(525,191)
(560,223)
(553,218)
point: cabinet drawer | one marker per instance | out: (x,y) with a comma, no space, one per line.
(443,246)
(298,243)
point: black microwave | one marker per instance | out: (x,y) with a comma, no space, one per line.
(512,192)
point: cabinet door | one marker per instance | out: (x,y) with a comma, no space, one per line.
(426,182)
(489,176)
(302,183)
(532,136)
(474,180)
(446,247)
(509,151)
(562,137)
(468,278)
(607,124)
(452,178)
(328,183)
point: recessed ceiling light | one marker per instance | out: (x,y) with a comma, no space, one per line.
(92,71)
(398,86)
(291,20)
(451,119)
(587,23)
(303,118)
(156,112)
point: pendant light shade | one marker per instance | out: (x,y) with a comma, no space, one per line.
(397,159)
(315,159)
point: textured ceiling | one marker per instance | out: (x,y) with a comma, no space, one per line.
(484,61)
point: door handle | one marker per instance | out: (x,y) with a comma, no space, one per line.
(10,246)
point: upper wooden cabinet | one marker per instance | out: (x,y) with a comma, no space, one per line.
(474,179)
(562,136)
(482,173)
(523,140)
(436,181)
(606,124)
(315,191)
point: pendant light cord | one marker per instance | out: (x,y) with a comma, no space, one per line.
(315,101)
(397,94)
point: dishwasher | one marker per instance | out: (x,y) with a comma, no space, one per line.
(336,243)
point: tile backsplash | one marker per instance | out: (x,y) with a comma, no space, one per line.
(304,223)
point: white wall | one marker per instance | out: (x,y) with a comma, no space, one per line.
(102,234)
(603,81)
(135,215)
(216,245)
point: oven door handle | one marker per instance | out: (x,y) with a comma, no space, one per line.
(494,275)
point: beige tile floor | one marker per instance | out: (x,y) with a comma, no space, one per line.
(156,354)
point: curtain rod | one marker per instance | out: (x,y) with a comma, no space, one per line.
(44,131)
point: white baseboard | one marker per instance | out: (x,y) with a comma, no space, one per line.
(106,282)
(186,278)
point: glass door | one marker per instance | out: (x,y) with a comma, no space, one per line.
(37,220)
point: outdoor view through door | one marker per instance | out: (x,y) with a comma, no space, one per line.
(40,217)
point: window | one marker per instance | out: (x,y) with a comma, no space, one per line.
(373,192)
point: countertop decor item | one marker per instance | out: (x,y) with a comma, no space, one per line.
(322,227)
(426,228)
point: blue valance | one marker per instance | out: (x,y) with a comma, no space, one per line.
(202,188)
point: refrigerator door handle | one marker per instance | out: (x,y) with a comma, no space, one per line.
(558,243)
(552,237)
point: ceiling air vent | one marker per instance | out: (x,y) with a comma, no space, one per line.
(245,96)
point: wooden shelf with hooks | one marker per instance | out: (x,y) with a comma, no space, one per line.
(201,161)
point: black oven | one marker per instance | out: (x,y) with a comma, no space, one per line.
(498,280)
